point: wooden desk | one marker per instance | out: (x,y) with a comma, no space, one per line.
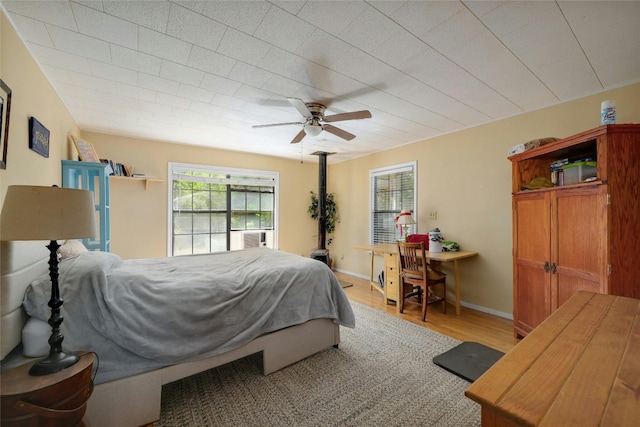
(390,252)
(580,367)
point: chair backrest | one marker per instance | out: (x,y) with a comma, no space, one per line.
(413,238)
(411,256)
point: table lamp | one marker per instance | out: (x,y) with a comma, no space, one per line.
(49,213)
(404,220)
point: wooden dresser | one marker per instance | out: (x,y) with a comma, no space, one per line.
(580,367)
(583,236)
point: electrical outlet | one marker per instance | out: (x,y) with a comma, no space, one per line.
(433,215)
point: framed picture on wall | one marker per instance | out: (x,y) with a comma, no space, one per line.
(5,109)
(85,150)
(38,137)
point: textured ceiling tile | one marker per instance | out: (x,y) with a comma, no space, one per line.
(219,84)
(135,60)
(283,30)
(78,44)
(322,48)
(158,84)
(57,13)
(172,100)
(249,74)
(420,17)
(92,82)
(195,93)
(194,28)
(55,74)
(67,61)
(149,14)
(32,31)
(400,48)
(138,93)
(112,72)
(105,27)
(369,30)
(163,46)
(242,15)
(180,73)
(331,16)
(243,47)
(291,6)
(210,62)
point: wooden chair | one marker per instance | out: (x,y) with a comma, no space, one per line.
(415,271)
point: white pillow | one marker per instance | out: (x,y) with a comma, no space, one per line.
(71,248)
(35,338)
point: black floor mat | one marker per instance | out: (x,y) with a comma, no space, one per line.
(468,360)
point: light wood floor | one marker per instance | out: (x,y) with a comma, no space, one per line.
(471,325)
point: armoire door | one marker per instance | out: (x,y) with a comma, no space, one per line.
(532,230)
(579,247)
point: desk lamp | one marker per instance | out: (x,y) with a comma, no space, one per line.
(404,220)
(49,213)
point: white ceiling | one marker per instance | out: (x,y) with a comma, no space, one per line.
(204,72)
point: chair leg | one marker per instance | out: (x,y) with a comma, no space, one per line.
(425,303)
(444,297)
(401,297)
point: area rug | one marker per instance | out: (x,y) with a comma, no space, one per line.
(345,284)
(381,374)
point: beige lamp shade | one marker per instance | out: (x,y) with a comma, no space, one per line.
(47,213)
(405,218)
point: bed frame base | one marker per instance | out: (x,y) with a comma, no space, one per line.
(135,401)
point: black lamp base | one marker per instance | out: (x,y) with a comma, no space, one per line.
(53,363)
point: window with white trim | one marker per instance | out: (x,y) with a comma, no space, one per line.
(215,209)
(392,189)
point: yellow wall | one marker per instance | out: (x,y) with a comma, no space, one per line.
(466,177)
(32,96)
(139,214)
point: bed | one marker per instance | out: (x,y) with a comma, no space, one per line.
(154,321)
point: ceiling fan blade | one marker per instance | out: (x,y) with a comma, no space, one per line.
(277,124)
(354,115)
(298,137)
(300,105)
(339,132)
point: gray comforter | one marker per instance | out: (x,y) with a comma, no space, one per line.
(139,315)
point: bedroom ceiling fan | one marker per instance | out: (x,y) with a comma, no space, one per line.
(315,121)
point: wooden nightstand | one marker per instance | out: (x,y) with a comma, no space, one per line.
(54,400)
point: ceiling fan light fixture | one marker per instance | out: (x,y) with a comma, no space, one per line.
(313,129)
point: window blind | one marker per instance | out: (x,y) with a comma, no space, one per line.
(392,190)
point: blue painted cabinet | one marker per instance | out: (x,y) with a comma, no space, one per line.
(95,178)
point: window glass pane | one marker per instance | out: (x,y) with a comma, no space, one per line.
(238,221)
(182,245)
(219,200)
(266,220)
(182,223)
(201,243)
(253,221)
(218,242)
(253,201)
(219,223)
(238,201)
(201,223)
(201,200)
(266,202)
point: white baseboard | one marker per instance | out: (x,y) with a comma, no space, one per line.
(462,303)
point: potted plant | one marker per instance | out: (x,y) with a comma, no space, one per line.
(331,213)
